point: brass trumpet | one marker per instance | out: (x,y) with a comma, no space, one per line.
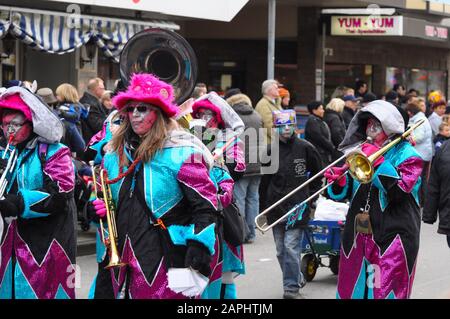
(359,165)
(111,241)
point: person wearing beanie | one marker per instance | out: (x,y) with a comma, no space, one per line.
(267,104)
(285,98)
(224,125)
(38,245)
(166,203)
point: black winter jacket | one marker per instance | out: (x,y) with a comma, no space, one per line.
(97,115)
(348,115)
(437,199)
(336,124)
(318,133)
(298,160)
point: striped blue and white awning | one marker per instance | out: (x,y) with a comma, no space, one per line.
(60,33)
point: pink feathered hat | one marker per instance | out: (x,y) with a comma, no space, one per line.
(15,102)
(206,104)
(149,89)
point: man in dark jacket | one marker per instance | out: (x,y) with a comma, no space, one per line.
(97,112)
(246,188)
(351,105)
(318,133)
(298,160)
(438,192)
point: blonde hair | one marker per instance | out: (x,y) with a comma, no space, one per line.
(68,93)
(336,105)
(151,142)
(106,96)
(446,118)
(443,125)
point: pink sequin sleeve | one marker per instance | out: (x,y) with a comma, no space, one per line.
(410,171)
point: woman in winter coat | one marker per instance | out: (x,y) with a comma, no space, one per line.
(333,118)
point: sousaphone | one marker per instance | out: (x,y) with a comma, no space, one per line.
(163,53)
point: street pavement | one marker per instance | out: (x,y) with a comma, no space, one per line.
(263,279)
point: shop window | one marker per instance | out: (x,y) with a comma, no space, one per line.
(224,75)
(422,80)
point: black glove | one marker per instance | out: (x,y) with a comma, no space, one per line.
(11,206)
(428,221)
(198,257)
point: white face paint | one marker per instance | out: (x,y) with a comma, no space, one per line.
(141,116)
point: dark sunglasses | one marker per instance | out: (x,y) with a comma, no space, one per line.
(139,108)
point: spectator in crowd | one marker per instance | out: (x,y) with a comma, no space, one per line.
(401,92)
(350,107)
(246,188)
(97,113)
(106,102)
(368,97)
(318,133)
(267,104)
(333,118)
(444,134)
(361,88)
(433,97)
(46,94)
(230,92)
(349,91)
(436,117)
(70,111)
(340,92)
(446,118)
(422,103)
(285,98)
(199,90)
(393,98)
(422,137)
(438,192)
(413,92)
(298,160)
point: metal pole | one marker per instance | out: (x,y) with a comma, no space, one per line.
(324,34)
(271,40)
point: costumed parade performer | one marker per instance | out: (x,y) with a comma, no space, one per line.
(220,128)
(38,243)
(380,240)
(97,147)
(166,203)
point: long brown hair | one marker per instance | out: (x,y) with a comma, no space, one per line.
(151,142)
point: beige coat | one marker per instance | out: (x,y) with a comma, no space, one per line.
(265,107)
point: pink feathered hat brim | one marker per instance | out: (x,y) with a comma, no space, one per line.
(206,104)
(121,99)
(14,102)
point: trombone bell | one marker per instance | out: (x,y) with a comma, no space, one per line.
(360,167)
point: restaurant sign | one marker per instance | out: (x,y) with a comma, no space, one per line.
(367,25)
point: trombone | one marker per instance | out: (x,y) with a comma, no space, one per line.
(111,241)
(359,165)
